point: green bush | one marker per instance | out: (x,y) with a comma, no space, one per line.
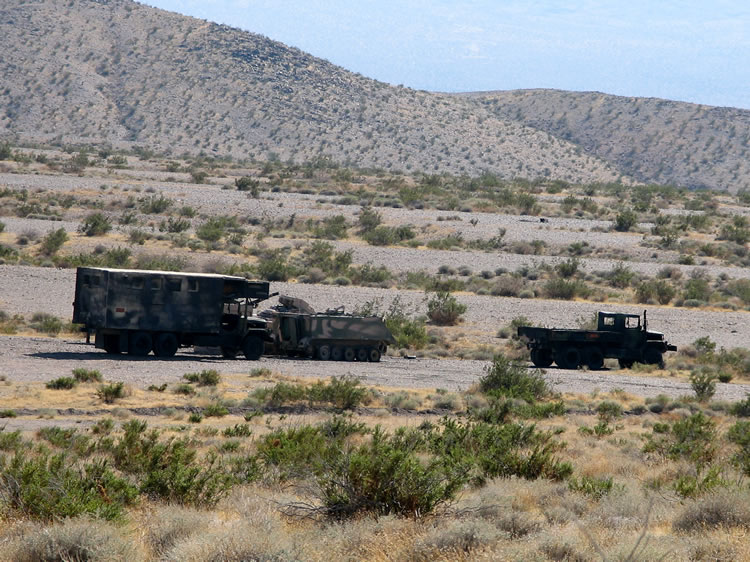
(739,434)
(655,289)
(53,241)
(273,266)
(506,378)
(155,204)
(95,224)
(207,377)
(47,486)
(443,309)
(46,323)
(703,382)
(625,220)
(239,430)
(111,392)
(566,289)
(741,409)
(62,383)
(385,476)
(595,488)
(246,183)
(343,392)
(87,375)
(369,219)
(216,410)
(331,228)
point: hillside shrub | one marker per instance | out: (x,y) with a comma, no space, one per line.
(513,380)
(61,383)
(111,392)
(625,220)
(95,224)
(87,375)
(53,241)
(207,377)
(444,309)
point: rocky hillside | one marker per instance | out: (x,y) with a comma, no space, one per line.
(118,72)
(652,140)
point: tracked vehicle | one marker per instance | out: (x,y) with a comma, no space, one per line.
(620,336)
(137,312)
(297,330)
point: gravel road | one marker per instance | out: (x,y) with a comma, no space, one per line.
(27,359)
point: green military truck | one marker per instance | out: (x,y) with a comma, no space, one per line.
(137,312)
(619,336)
(296,329)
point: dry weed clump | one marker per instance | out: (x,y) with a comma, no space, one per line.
(723,509)
(171,524)
(71,539)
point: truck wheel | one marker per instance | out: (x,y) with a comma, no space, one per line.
(337,354)
(139,344)
(373,354)
(625,363)
(570,358)
(166,345)
(361,354)
(324,352)
(229,352)
(349,354)
(112,343)
(252,348)
(541,358)
(653,357)
(594,359)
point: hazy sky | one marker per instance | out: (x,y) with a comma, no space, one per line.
(692,50)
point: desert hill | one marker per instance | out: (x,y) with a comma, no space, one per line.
(118,72)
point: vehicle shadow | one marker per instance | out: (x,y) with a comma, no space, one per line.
(102,356)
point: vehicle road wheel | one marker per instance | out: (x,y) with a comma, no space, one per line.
(373,354)
(252,347)
(324,353)
(337,354)
(594,359)
(570,358)
(625,363)
(112,343)
(361,354)
(229,352)
(541,358)
(349,354)
(653,357)
(139,344)
(166,345)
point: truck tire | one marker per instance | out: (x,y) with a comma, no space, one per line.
(541,358)
(349,354)
(252,347)
(569,358)
(653,356)
(362,354)
(594,358)
(112,343)
(324,353)
(139,344)
(373,354)
(229,352)
(166,345)
(337,354)
(625,363)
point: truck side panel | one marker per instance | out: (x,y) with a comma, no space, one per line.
(323,327)
(169,303)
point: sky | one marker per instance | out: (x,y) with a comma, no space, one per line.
(692,50)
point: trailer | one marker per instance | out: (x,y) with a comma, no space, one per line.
(137,312)
(619,336)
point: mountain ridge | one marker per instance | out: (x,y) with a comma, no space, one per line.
(125,74)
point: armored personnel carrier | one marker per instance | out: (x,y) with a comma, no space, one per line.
(620,336)
(296,329)
(136,312)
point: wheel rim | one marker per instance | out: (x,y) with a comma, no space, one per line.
(570,359)
(337,354)
(252,347)
(361,354)
(595,359)
(349,354)
(373,355)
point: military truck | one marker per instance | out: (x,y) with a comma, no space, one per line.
(296,329)
(620,336)
(136,312)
